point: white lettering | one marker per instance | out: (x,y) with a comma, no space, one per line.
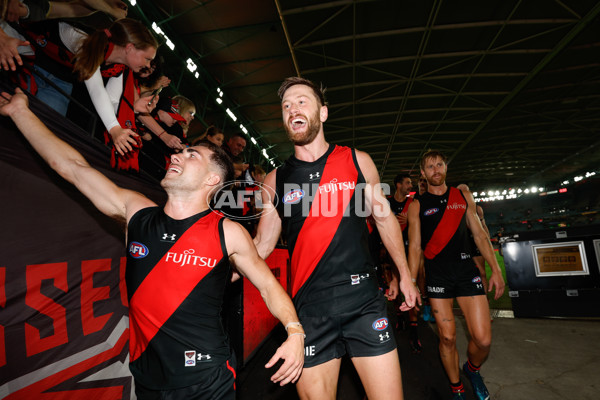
(187,258)
(309,351)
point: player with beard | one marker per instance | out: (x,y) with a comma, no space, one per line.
(178,348)
(321,190)
(439,222)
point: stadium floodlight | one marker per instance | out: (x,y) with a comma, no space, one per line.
(533,189)
(264,151)
(504,192)
(253,140)
(219,100)
(243,128)
(132,2)
(490,193)
(578,178)
(497,192)
(474,194)
(566,182)
(519,191)
(541,189)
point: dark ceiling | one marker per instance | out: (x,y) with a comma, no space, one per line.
(509,90)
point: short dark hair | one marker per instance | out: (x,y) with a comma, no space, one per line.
(400,177)
(220,160)
(319,91)
(433,154)
(238,134)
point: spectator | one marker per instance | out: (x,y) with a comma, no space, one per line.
(164,121)
(213,135)
(187,110)
(126,47)
(234,146)
(32,41)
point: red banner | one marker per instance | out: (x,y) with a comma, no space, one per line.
(63,319)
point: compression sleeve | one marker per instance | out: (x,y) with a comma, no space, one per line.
(101,100)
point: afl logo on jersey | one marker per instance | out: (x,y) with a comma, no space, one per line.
(41,41)
(380,324)
(476,279)
(138,250)
(431,211)
(293,196)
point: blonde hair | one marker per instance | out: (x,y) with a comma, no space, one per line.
(184,104)
(122,32)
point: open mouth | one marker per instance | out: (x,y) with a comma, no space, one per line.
(298,123)
(174,169)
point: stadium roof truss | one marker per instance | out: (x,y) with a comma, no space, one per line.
(509,90)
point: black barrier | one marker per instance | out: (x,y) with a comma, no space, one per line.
(554,273)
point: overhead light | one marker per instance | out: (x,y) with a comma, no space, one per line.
(191,65)
(534,189)
(219,100)
(253,140)
(132,2)
(231,114)
(243,128)
(264,151)
(578,178)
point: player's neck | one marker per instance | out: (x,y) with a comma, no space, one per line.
(399,197)
(312,151)
(437,190)
(181,207)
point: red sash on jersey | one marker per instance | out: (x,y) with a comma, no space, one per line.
(405,211)
(126,118)
(455,209)
(164,289)
(318,231)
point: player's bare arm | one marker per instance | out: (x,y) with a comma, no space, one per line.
(269,226)
(414,238)
(482,240)
(247,261)
(116,202)
(388,226)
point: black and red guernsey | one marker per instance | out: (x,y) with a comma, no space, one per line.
(400,207)
(322,208)
(176,275)
(444,232)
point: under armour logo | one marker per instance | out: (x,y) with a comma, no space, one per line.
(166,236)
(314,176)
(384,337)
(202,357)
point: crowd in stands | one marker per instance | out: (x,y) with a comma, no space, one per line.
(88,54)
(577,206)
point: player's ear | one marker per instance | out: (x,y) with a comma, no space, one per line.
(213,179)
(324,113)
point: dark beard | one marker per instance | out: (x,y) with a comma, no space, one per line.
(310,134)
